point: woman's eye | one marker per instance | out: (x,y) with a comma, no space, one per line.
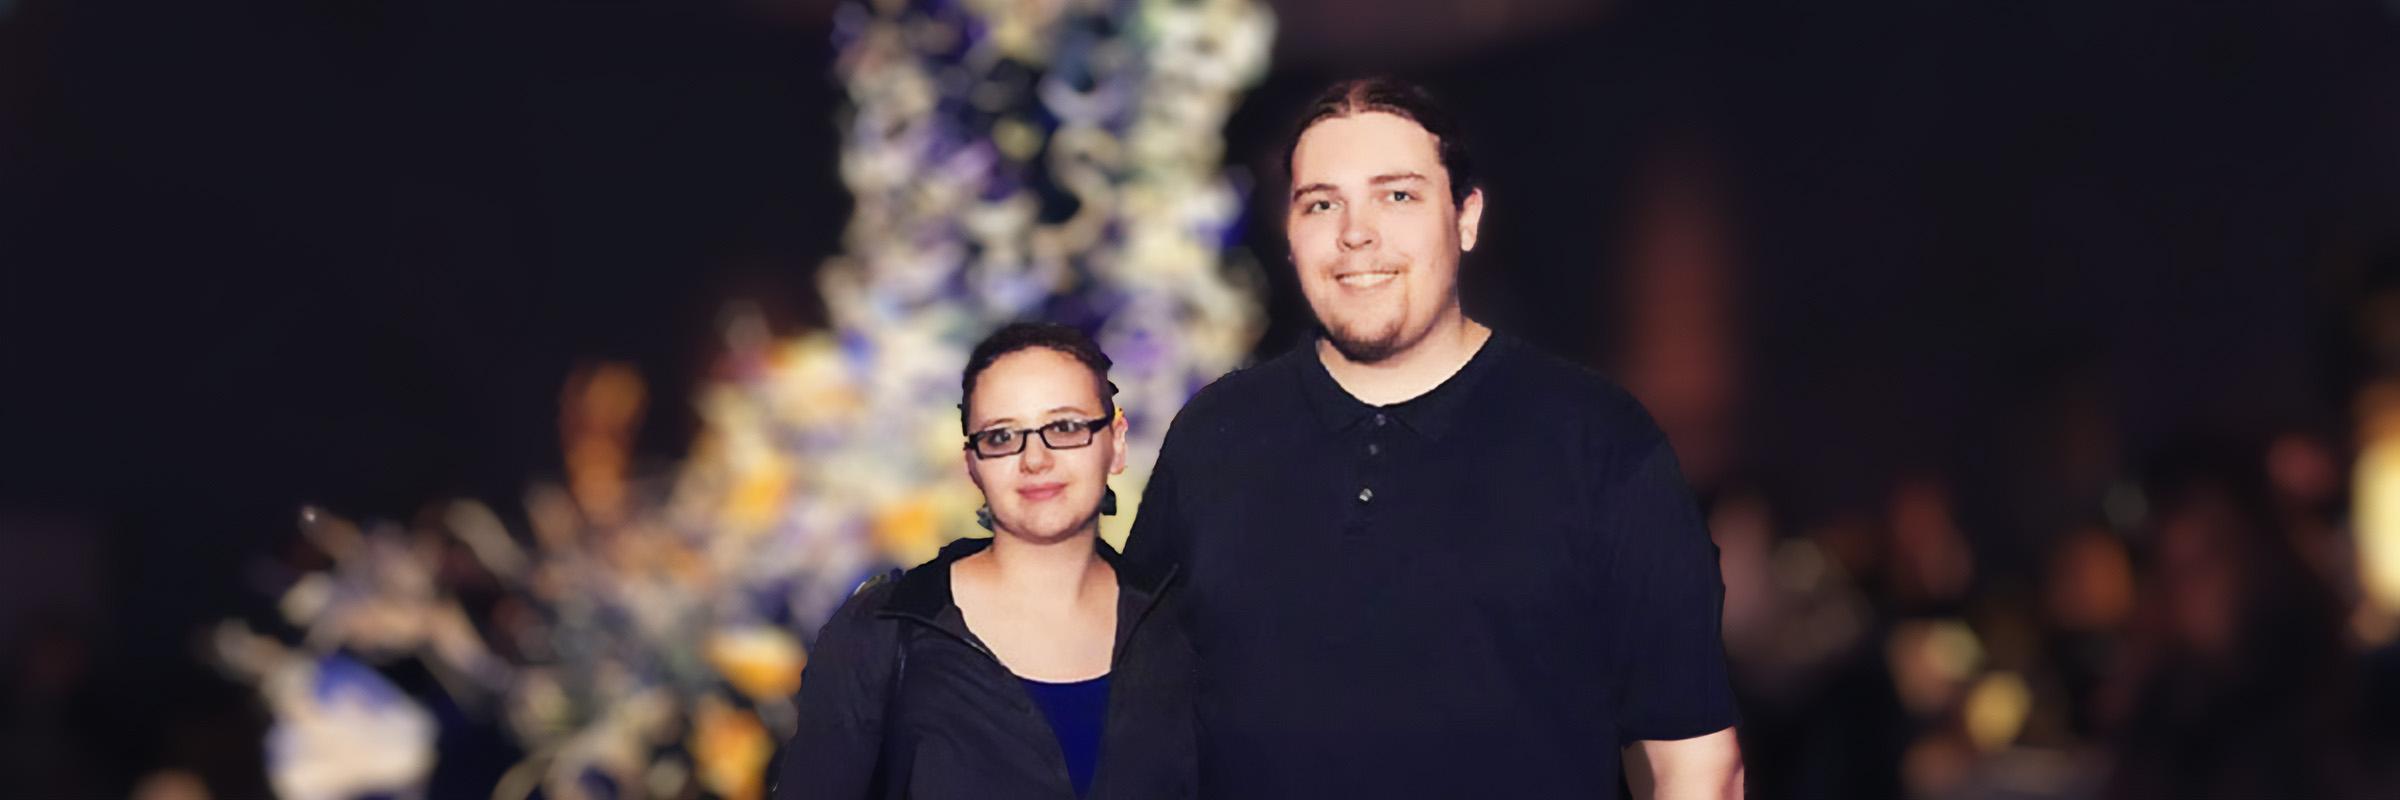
(1315,206)
(1065,426)
(1000,437)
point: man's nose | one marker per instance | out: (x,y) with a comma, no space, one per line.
(1358,231)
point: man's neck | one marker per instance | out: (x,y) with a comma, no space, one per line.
(1411,372)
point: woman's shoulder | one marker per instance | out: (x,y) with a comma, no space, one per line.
(921,591)
(860,617)
(873,592)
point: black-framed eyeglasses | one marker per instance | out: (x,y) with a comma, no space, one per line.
(1065,434)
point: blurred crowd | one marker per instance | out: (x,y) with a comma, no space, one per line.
(2202,634)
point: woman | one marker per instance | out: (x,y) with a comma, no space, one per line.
(1031,664)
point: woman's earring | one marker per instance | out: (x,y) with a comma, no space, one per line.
(983,517)
(1108,501)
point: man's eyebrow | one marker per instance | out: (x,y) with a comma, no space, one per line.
(1314,187)
(1395,177)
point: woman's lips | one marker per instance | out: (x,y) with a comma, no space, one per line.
(1040,492)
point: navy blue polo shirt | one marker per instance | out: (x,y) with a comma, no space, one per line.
(1487,590)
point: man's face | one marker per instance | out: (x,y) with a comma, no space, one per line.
(1373,233)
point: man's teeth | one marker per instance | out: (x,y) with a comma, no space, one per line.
(1366,279)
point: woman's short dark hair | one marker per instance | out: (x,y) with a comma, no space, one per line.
(1017,336)
(1400,99)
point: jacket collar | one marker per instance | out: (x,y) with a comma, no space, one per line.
(923,594)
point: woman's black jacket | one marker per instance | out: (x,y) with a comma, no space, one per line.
(899,700)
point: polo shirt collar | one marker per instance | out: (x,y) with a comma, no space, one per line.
(1433,413)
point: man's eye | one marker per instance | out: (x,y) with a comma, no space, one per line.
(1403,195)
(1315,206)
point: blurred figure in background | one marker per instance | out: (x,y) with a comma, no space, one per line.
(2237,682)
(2087,601)
(1820,716)
(51,713)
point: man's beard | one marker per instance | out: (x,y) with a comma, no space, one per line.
(1365,349)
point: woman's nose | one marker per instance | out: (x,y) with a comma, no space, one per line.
(1037,455)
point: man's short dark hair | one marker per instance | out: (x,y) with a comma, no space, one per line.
(1017,336)
(1400,99)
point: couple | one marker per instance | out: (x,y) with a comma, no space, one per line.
(1415,558)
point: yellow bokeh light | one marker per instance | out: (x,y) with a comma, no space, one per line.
(761,662)
(2377,495)
(1996,709)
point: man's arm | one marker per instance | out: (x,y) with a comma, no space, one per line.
(1707,767)
(1157,536)
(1676,707)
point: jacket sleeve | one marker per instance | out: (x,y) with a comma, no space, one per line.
(844,693)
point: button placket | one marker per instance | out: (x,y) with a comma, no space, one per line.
(1370,469)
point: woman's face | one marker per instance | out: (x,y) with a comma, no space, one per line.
(1042,493)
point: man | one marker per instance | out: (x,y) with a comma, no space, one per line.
(1424,559)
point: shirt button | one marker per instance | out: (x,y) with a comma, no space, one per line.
(1381,420)
(1374,449)
(1366,495)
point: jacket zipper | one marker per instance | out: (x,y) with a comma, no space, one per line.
(1025,702)
(1116,658)
(1100,770)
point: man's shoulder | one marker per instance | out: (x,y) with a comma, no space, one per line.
(1237,392)
(1560,388)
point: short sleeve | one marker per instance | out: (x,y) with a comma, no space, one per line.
(844,692)
(1668,597)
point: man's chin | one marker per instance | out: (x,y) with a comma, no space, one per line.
(1364,349)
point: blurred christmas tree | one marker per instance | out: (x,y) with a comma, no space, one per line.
(1045,159)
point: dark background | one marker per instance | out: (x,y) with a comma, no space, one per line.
(261,254)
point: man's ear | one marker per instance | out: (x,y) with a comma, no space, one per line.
(1470,220)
